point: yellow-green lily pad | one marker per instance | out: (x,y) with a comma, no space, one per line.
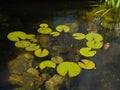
(41,52)
(45,30)
(22,44)
(70,68)
(64,28)
(32,47)
(94,36)
(86,51)
(94,45)
(57,59)
(78,36)
(30,36)
(16,35)
(87,64)
(43,25)
(55,34)
(47,63)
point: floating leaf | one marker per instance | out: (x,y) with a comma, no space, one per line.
(32,47)
(41,52)
(94,36)
(87,64)
(57,59)
(61,28)
(94,45)
(54,34)
(70,68)
(47,63)
(78,36)
(43,25)
(45,30)
(86,51)
(30,36)
(22,44)
(16,35)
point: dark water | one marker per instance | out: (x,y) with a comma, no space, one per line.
(26,16)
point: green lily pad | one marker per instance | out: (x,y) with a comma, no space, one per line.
(87,64)
(78,36)
(32,47)
(94,45)
(64,28)
(41,52)
(22,44)
(45,30)
(94,36)
(54,34)
(57,59)
(16,35)
(47,63)
(30,36)
(86,51)
(43,25)
(70,68)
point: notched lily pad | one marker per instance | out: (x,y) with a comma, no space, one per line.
(57,59)
(87,64)
(43,25)
(16,35)
(41,52)
(70,68)
(32,47)
(45,30)
(55,34)
(22,44)
(64,28)
(86,51)
(78,36)
(47,63)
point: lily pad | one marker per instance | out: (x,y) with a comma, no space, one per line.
(54,34)
(57,59)
(94,36)
(47,63)
(78,36)
(22,44)
(94,45)
(16,35)
(43,25)
(30,36)
(87,64)
(32,47)
(86,51)
(45,30)
(41,52)
(64,28)
(70,68)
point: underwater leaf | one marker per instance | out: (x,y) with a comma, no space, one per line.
(32,47)
(57,59)
(16,35)
(87,64)
(45,30)
(54,34)
(47,63)
(78,36)
(64,28)
(70,68)
(41,52)
(22,44)
(94,36)
(86,51)
(33,71)
(94,45)
(43,25)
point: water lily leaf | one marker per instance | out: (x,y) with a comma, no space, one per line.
(43,25)
(87,64)
(94,36)
(30,36)
(45,30)
(61,28)
(32,47)
(16,35)
(70,68)
(47,63)
(41,52)
(57,59)
(54,34)
(94,45)
(22,44)
(33,71)
(78,36)
(86,51)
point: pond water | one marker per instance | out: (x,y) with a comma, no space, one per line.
(26,17)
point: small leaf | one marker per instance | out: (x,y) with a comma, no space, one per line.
(22,44)
(61,28)
(57,59)
(43,25)
(33,71)
(32,47)
(87,64)
(16,35)
(45,30)
(54,34)
(41,52)
(47,63)
(78,36)
(70,68)
(30,36)
(86,51)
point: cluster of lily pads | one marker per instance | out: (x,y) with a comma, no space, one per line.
(63,67)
